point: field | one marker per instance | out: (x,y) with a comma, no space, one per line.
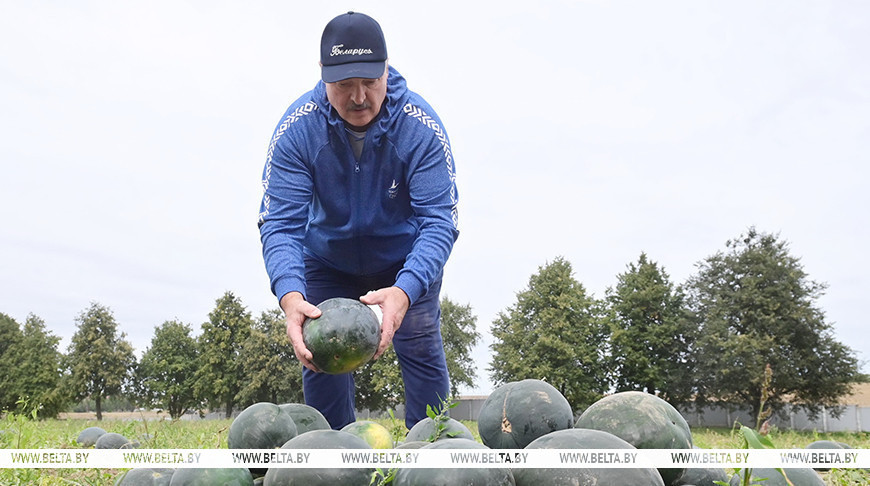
(205,434)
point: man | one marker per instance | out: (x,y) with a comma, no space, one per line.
(360,202)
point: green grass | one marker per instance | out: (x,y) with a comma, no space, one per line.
(18,433)
(61,434)
(722,438)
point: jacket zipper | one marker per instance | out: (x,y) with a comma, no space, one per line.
(357,198)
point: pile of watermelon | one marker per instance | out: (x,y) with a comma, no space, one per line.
(265,426)
(532,414)
(527,414)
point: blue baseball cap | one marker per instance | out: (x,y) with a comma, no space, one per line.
(352,46)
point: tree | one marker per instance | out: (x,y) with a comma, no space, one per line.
(167,368)
(757,307)
(100,359)
(10,334)
(651,333)
(271,371)
(379,384)
(459,331)
(220,373)
(555,333)
(39,369)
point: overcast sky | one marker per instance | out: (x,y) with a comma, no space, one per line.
(133,137)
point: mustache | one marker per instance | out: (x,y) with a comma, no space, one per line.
(351,106)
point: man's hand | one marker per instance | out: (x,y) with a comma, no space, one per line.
(296,308)
(393,303)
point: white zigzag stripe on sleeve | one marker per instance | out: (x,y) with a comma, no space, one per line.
(430,122)
(289,120)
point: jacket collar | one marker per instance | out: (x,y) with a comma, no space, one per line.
(397,93)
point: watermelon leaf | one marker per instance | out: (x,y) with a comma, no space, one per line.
(753,439)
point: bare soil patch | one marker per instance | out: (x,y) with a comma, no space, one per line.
(143,415)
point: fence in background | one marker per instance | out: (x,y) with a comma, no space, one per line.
(853,418)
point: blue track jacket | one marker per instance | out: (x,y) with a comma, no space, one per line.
(397,203)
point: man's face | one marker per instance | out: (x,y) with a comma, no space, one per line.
(358,100)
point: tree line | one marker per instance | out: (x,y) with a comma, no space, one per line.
(749,310)
(235,361)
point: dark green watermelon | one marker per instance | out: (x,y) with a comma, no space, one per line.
(644,421)
(89,436)
(344,337)
(305,417)
(798,477)
(425,430)
(412,444)
(321,439)
(455,476)
(825,444)
(700,476)
(262,425)
(111,440)
(584,439)
(519,412)
(146,476)
(235,476)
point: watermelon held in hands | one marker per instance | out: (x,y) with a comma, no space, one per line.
(519,412)
(344,337)
(644,421)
